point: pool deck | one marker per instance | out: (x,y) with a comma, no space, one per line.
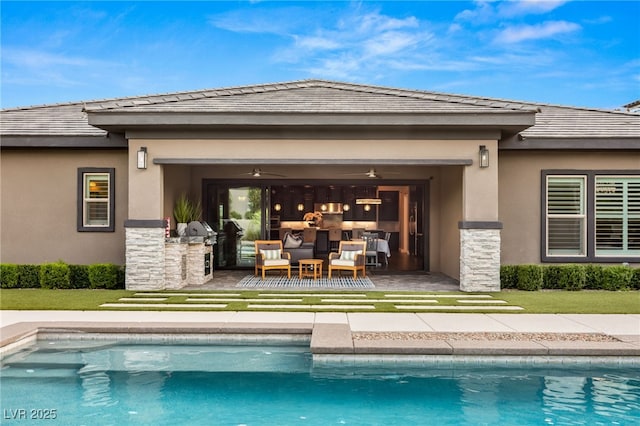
(335,333)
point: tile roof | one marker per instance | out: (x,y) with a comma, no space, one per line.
(320,96)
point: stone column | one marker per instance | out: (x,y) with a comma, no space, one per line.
(144,254)
(480,256)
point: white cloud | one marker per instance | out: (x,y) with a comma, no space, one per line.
(490,11)
(549,29)
(40,59)
(316,42)
(389,43)
(528,7)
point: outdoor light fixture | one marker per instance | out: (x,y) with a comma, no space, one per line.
(300,207)
(484,157)
(277,207)
(142,157)
(346,207)
(367,207)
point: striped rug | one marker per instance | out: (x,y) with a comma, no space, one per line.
(251,281)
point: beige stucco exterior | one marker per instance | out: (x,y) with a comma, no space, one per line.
(39,207)
(520,174)
(310,131)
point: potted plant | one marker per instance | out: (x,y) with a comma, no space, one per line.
(185,211)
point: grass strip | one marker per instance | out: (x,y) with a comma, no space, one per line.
(552,301)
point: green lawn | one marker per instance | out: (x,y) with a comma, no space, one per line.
(596,302)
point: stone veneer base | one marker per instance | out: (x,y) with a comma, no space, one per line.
(479,260)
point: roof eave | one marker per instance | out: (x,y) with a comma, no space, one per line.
(122,121)
(617,143)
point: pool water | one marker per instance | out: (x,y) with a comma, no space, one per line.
(115,384)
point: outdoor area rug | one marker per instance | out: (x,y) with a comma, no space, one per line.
(251,281)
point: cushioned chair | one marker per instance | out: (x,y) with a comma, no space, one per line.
(269,255)
(350,257)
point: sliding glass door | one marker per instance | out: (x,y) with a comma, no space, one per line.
(237,214)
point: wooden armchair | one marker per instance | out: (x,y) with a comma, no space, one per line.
(350,257)
(269,255)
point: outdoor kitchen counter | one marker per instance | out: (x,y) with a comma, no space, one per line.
(187,261)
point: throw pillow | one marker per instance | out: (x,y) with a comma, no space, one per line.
(292,241)
(271,254)
(349,254)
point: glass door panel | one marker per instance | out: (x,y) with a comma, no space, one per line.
(239,220)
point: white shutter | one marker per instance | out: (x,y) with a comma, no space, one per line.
(617,204)
(566,216)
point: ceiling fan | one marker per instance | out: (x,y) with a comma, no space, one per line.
(371,173)
(258,172)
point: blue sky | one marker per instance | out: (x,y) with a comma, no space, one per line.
(582,53)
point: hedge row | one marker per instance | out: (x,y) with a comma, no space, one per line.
(61,275)
(569,277)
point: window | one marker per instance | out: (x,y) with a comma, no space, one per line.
(95,200)
(617,230)
(590,216)
(566,217)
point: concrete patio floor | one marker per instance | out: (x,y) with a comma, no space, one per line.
(227,280)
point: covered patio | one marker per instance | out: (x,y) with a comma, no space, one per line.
(434,153)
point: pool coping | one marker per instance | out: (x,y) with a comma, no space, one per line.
(328,339)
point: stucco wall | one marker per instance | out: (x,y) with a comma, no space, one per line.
(450,206)
(39,207)
(519,180)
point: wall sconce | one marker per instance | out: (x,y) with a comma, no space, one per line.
(300,207)
(484,157)
(346,207)
(142,157)
(323,207)
(277,207)
(367,207)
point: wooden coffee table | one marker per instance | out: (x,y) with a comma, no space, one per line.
(311,268)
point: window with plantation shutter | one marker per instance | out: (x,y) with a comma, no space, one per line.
(565,215)
(95,199)
(617,216)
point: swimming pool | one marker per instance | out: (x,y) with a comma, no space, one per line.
(105,383)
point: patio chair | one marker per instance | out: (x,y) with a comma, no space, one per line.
(269,255)
(350,257)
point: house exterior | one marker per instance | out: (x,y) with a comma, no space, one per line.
(482,182)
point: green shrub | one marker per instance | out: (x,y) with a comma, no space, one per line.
(103,275)
(551,276)
(29,276)
(530,277)
(79,276)
(55,275)
(508,276)
(617,278)
(121,278)
(635,280)
(572,277)
(594,277)
(8,275)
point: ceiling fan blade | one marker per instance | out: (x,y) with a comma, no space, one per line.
(257,172)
